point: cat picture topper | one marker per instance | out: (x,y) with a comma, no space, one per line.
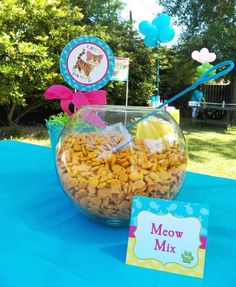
(87,63)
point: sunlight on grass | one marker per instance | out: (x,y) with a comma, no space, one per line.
(212,152)
(43,142)
(28,134)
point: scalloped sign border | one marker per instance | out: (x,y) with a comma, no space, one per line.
(168,235)
(93,43)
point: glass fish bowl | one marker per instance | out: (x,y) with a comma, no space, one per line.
(104,156)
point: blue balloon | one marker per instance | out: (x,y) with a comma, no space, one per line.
(162,20)
(158,31)
(152,32)
(166,34)
(144,26)
(149,42)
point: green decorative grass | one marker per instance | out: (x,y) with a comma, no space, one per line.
(59,119)
(212,149)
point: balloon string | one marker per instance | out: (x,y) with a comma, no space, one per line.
(158,71)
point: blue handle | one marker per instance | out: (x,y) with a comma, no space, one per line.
(204,78)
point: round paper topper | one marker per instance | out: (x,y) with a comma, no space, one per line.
(87,63)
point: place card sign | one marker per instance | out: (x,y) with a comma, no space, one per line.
(168,236)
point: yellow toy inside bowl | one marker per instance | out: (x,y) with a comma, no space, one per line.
(154,128)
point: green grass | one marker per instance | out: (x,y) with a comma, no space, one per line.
(212,149)
(29,134)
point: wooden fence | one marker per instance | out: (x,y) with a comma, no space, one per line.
(216,93)
(212,93)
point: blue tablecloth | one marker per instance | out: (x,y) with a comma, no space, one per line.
(44,241)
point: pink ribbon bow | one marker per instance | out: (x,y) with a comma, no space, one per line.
(78,99)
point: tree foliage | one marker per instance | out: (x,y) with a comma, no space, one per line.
(33,34)
(210,24)
(205,18)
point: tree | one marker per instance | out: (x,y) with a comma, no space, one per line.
(33,35)
(141,71)
(100,12)
(208,24)
(33,32)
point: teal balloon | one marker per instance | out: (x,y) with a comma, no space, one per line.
(162,20)
(166,34)
(144,27)
(149,42)
(152,32)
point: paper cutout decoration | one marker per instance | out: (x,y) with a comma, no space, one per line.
(87,63)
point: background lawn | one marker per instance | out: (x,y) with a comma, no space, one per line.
(212,150)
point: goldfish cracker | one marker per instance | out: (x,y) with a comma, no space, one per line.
(103,182)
